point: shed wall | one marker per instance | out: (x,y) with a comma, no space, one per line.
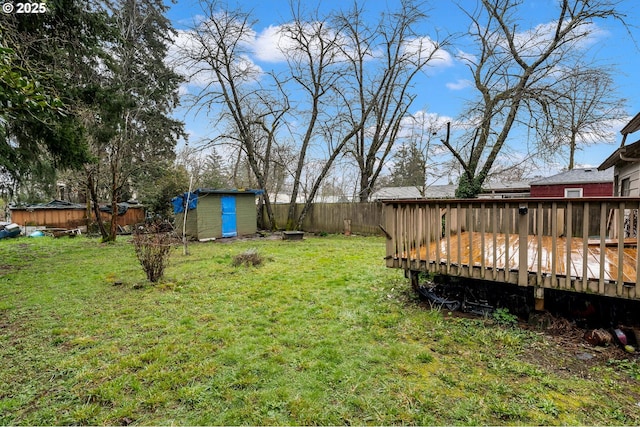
(246,215)
(58,218)
(192,223)
(70,217)
(209,216)
(130,217)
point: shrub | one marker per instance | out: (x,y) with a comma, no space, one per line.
(503,317)
(153,247)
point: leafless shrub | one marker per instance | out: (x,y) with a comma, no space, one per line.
(250,257)
(153,247)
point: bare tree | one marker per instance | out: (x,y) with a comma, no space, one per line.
(586,106)
(383,62)
(216,54)
(318,75)
(515,73)
(316,70)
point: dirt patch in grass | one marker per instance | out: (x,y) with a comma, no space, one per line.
(571,354)
(564,350)
(6,269)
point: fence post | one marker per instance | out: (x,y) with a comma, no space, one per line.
(347,227)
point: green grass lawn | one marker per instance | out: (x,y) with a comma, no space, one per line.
(321,333)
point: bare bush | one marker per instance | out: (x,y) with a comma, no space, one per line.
(153,247)
(250,257)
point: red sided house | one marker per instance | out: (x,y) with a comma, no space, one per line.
(584,182)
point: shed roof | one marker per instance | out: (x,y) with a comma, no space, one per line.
(623,156)
(54,204)
(578,176)
(63,204)
(220,191)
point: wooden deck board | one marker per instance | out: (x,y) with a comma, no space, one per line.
(545,252)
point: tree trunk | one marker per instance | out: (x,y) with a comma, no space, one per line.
(96,206)
(365,190)
(113,229)
(572,151)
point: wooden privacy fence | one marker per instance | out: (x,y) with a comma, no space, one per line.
(585,245)
(364,218)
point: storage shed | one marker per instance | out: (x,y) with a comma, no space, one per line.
(213,214)
(63,214)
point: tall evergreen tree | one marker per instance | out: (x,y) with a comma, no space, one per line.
(133,132)
(46,60)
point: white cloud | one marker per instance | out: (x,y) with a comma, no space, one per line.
(189,55)
(534,41)
(425,47)
(423,123)
(459,84)
(267,46)
(466,57)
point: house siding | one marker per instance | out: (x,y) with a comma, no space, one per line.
(632,172)
(602,189)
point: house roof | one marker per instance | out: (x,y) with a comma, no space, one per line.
(578,176)
(632,126)
(506,186)
(431,192)
(447,191)
(623,156)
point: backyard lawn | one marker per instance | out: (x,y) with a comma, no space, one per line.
(321,333)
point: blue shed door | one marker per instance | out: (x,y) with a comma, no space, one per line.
(229,228)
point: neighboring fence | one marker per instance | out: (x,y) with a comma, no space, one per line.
(362,218)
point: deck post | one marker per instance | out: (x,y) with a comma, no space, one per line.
(523,245)
(538,295)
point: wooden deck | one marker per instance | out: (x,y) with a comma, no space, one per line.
(481,250)
(586,245)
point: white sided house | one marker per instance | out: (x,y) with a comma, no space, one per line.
(626,163)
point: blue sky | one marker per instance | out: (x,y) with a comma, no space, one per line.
(443,91)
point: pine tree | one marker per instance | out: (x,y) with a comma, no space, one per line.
(409,168)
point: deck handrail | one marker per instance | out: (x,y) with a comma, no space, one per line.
(581,244)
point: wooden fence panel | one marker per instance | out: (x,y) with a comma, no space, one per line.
(365,218)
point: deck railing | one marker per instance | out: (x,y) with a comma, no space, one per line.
(585,245)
